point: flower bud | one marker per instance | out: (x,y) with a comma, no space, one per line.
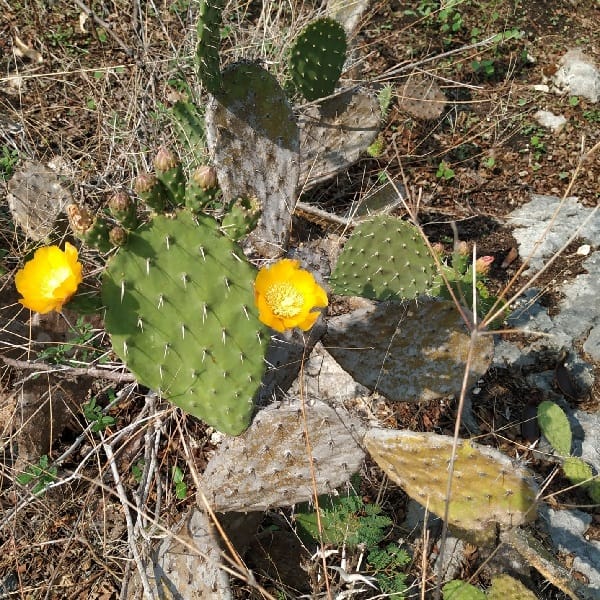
(165,160)
(119,203)
(483,264)
(144,183)
(205,177)
(462,248)
(117,236)
(438,249)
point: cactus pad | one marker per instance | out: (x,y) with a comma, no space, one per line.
(334,133)
(207,50)
(408,352)
(180,311)
(269,464)
(505,587)
(254,141)
(317,58)
(487,486)
(385,258)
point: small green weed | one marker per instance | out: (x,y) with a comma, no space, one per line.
(78,349)
(388,564)
(93,413)
(375,150)
(347,520)
(179,483)
(137,470)
(9,157)
(485,68)
(41,474)
(489,162)
(384,98)
(593,116)
(445,172)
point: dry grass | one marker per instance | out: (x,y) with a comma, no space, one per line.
(104,107)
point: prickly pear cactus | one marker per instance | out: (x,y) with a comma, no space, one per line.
(461,590)
(180,311)
(505,587)
(555,426)
(334,134)
(317,58)
(253,136)
(487,486)
(207,50)
(385,258)
(270,465)
(409,352)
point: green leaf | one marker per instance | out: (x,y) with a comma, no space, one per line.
(344,520)
(555,426)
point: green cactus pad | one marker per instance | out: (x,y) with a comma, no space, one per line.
(190,130)
(317,58)
(409,352)
(487,486)
(253,138)
(555,426)
(384,259)
(461,590)
(180,311)
(207,50)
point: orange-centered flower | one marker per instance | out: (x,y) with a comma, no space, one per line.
(286,296)
(49,279)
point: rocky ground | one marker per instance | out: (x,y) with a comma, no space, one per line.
(486,137)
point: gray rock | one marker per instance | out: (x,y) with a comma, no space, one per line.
(567,529)
(531,221)
(548,119)
(578,75)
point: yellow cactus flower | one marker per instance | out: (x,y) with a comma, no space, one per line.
(286,295)
(49,279)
